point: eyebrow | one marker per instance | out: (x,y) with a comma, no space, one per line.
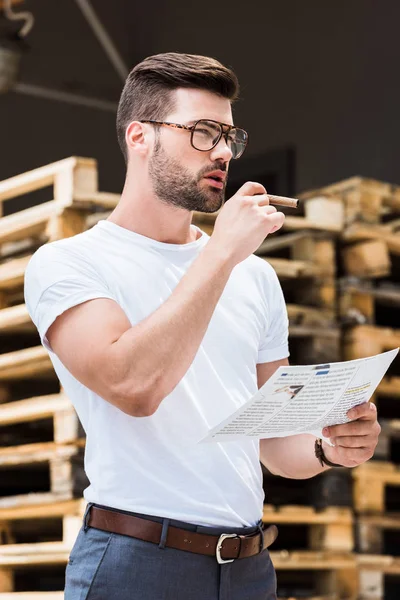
(205,119)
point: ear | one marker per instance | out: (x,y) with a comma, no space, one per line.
(137,137)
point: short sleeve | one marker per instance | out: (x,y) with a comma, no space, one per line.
(274,343)
(56,280)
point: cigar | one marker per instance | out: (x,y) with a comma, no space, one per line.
(283,201)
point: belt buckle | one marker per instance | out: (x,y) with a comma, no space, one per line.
(221,538)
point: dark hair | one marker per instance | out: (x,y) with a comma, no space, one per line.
(148,87)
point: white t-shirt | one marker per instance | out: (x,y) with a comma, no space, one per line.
(153,465)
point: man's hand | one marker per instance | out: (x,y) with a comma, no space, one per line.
(355,442)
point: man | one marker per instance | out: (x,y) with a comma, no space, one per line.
(157,333)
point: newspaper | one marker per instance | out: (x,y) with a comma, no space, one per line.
(304,399)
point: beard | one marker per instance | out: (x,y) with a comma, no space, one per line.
(176,186)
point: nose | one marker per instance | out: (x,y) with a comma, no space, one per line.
(221,151)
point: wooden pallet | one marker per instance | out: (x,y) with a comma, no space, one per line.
(367,340)
(370,533)
(59,521)
(354,200)
(29,362)
(330,529)
(389,440)
(74,196)
(333,488)
(370,482)
(314,345)
(359,302)
(17,417)
(373,571)
(39,473)
(51,530)
(328,573)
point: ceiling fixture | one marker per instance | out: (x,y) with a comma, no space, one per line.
(12,44)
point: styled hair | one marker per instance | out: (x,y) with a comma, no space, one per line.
(147,92)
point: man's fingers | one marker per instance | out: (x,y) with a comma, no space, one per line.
(275,221)
(366,410)
(357,441)
(250,188)
(354,456)
(359,427)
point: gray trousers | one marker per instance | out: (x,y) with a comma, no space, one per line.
(109,566)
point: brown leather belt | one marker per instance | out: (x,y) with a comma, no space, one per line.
(225,547)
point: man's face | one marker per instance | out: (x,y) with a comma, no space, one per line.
(176,169)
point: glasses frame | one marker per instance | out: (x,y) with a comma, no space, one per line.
(191,128)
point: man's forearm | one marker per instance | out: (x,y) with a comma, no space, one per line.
(292,457)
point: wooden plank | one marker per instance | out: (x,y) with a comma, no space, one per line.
(306,514)
(359,232)
(44,510)
(24,555)
(295,223)
(67,173)
(390,565)
(16,319)
(312,560)
(12,273)
(32,409)
(29,454)
(27,223)
(34,499)
(29,362)
(331,529)
(308,315)
(33,596)
(271,244)
(313,332)
(293,268)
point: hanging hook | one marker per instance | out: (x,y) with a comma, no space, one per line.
(20,16)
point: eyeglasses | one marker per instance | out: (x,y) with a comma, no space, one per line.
(206,133)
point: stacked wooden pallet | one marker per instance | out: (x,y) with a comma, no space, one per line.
(338,263)
(41,440)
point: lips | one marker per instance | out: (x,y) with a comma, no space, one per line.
(217,176)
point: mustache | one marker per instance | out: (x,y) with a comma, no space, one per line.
(217,167)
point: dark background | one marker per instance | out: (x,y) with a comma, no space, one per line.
(320,84)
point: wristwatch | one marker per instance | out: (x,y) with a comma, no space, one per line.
(320,454)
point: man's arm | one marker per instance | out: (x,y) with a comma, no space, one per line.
(294,457)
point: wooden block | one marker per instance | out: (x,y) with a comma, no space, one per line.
(366,340)
(367,259)
(6,580)
(372,585)
(370,480)
(325,211)
(320,292)
(333,536)
(356,306)
(69,223)
(320,252)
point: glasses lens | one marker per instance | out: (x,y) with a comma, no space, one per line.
(237,140)
(205,135)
